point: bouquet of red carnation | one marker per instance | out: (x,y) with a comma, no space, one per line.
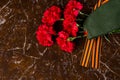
(69,31)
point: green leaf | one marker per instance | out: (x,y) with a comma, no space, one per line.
(104,20)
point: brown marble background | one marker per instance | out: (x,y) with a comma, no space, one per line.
(22,58)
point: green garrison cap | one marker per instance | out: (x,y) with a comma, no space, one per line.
(104,19)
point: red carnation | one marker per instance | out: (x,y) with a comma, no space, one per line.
(51,15)
(44,35)
(70,27)
(63,43)
(74,4)
(72,8)
(70,11)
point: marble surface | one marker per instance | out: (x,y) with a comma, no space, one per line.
(22,58)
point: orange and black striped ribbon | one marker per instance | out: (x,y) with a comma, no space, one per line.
(92,49)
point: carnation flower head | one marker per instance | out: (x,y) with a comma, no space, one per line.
(44,35)
(72,8)
(51,15)
(72,12)
(64,44)
(71,27)
(74,5)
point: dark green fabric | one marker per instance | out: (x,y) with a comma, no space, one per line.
(103,19)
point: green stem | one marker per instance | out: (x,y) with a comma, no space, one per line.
(81,31)
(61,19)
(73,38)
(115,31)
(107,39)
(78,25)
(79,19)
(79,37)
(83,13)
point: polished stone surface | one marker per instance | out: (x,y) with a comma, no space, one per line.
(22,58)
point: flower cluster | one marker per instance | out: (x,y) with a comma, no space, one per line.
(70,27)
(45,31)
